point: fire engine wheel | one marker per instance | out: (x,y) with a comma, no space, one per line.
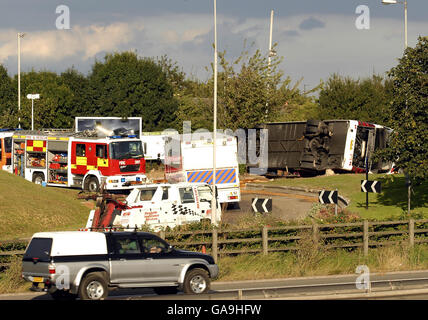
(92,184)
(38,178)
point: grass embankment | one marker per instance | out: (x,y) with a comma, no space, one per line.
(26,208)
(288,265)
(392,202)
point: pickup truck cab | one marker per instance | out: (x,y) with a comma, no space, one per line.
(87,265)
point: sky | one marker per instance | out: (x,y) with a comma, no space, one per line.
(315,38)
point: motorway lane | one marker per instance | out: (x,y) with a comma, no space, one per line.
(297,287)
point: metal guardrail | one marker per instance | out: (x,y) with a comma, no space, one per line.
(276,239)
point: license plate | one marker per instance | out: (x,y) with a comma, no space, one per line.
(37,279)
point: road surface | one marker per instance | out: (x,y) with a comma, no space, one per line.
(399,285)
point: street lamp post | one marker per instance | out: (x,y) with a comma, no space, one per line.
(19,35)
(405,16)
(32,97)
(214,200)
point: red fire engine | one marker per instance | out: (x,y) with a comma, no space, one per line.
(79,159)
(5,149)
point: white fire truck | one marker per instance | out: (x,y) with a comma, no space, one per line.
(157,206)
(69,159)
(190,159)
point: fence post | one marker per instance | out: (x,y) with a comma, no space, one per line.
(265,240)
(412,232)
(366,237)
(214,248)
(315,232)
(162,234)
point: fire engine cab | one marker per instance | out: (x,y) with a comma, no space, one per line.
(81,159)
(6,149)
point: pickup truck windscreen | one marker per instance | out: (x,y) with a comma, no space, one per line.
(39,249)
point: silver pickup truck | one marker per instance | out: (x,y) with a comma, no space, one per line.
(87,265)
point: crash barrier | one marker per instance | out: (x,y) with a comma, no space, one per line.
(217,242)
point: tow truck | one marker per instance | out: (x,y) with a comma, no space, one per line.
(157,206)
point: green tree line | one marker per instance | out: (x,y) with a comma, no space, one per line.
(252,89)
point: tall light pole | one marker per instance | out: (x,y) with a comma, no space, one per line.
(32,97)
(20,35)
(405,16)
(214,200)
(271,54)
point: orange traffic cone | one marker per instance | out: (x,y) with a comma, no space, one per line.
(204,250)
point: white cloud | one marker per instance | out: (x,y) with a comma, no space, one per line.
(334,46)
(61,44)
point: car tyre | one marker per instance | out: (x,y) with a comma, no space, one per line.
(94,286)
(197,281)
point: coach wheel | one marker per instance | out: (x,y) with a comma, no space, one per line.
(92,184)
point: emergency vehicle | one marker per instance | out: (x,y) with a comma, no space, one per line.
(82,159)
(6,149)
(154,145)
(157,206)
(190,159)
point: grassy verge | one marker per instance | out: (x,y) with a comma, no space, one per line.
(286,265)
(26,208)
(391,203)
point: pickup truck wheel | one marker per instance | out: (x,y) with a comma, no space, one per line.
(197,281)
(93,287)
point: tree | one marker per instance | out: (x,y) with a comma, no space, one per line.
(125,85)
(252,90)
(7,97)
(78,85)
(346,98)
(53,109)
(408,113)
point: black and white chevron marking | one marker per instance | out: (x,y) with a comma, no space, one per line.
(179,209)
(371,186)
(262,205)
(327,197)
